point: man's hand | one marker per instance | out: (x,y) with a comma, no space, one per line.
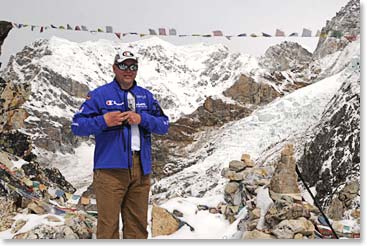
(117,118)
(114,118)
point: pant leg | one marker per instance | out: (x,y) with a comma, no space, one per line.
(134,209)
(110,187)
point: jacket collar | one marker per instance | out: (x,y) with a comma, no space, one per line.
(118,87)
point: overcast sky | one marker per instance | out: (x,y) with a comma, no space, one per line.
(187,17)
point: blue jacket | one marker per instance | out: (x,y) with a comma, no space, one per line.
(113,144)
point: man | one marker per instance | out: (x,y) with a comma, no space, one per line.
(121,115)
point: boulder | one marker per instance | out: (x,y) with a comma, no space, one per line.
(163,222)
(284,180)
(287,229)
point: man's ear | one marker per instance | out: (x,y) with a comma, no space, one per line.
(114,68)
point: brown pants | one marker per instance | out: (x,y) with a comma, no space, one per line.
(125,191)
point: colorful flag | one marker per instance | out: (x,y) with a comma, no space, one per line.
(152,32)
(172,32)
(217,33)
(32,28)
(279,33)
(41,30)
(351,38)
(306,32)
(293,34)
(84,28)
(242,35)
(109,29)
(228,37)
(162,31)
(253,35)
(100,30)
(53,26)
(77,28)
(42,187)
(265,34)
(69,27)
(207,35)
(61,27)
(323,35)
(59,193)
(336,34)
(118,34)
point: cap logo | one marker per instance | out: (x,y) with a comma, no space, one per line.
(128,53)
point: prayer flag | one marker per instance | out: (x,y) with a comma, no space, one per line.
(279,33)
(152,32)
(306,32)
(217,33)
(172,32)
(109,29)
(162,31)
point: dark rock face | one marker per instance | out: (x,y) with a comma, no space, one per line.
(5,28)
(47,176)
(345,23)
(332,158)
(16,143)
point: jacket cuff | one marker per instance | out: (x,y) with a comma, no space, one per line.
(101,122)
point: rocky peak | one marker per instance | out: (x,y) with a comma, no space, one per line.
(340,30)
(284,56)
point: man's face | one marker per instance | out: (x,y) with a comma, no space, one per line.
(125,75)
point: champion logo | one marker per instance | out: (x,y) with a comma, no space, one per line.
(113,102)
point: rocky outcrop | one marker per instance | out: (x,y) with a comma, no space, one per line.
(340,30)
(12,97)
(247,91)
(184,134)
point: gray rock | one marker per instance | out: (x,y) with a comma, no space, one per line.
(231,187)
(237,165)
(288,228)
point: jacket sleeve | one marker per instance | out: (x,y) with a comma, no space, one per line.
(154,121)
(88,120)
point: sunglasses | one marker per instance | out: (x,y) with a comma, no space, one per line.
(124,67)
